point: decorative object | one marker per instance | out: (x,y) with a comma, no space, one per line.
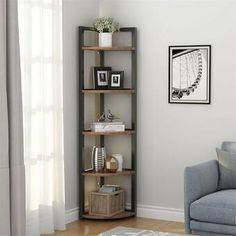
(116,79)
(101,77)
(111,116)
(120,230)
(106,26)
(107,127)
(102,118)
(119,158)
(111,164)
(106,204)
(87,159)
(227,169)
(99,156)
(190,74)
(109,188)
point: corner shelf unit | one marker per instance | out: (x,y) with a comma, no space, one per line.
(101,95)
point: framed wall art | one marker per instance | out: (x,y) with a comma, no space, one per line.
(190,74)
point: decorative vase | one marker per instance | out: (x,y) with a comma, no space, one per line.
(99,156)
(105,39)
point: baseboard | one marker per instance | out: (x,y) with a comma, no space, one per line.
(161,213)
(146,211)
(72,215)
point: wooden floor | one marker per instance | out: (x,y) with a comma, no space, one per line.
(92,228)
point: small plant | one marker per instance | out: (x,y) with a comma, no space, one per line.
(106,24)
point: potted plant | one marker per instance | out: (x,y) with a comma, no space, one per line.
(106,26)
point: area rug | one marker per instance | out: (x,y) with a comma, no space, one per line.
(120,231)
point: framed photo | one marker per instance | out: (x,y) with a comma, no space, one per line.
(101,77)
(190,74)
(87,159)
(116,79)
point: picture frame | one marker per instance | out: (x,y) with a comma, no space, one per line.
(87,159)
(101,77)
(189,74)
(116,79)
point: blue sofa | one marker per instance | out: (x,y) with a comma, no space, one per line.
(207,210)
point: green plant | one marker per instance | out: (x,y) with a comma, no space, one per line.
(106,24)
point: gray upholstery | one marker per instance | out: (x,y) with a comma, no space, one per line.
(204,233)
(218,207)
(227,169)
(213,228)
(208,212)
(229,146)
(200,180)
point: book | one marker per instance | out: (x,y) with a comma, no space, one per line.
(108,127)
(108,123)
(107,190)
(113,186)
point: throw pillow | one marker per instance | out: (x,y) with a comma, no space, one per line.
(227,169)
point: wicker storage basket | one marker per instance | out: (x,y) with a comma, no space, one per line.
(106,204)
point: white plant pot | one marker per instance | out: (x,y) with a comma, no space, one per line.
(105,39)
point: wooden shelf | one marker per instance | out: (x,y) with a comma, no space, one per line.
(101,174)
(124,214)
(96,48)
(98,91)
(126,132)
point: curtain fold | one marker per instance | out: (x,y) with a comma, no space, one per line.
(12,176)
(40,24)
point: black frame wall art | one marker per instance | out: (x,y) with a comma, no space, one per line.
(116,79)
(101,77)
(190,74)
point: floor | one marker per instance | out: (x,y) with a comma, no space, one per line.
(92,228)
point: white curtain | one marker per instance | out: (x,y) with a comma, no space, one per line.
(40,24)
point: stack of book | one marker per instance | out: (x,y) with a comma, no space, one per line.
(107,127)
(109,188)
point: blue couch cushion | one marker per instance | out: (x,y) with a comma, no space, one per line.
(227,169)
(218,207)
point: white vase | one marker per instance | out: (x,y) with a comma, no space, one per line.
(105,39)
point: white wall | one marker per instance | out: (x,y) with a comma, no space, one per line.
(173,136)
(75,13)
(170,136)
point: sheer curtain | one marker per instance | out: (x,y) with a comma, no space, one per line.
(40,24)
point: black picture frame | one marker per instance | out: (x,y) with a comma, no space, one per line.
(189,74)
(101,77)
(116,79)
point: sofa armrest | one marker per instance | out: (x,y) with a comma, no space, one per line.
(199,180)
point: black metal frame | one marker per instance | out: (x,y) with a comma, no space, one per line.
(133,177)
(169,80)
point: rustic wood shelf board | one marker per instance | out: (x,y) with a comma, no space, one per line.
(119,173)
(126,132)
(96,91)
(96,48)
(121,215)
